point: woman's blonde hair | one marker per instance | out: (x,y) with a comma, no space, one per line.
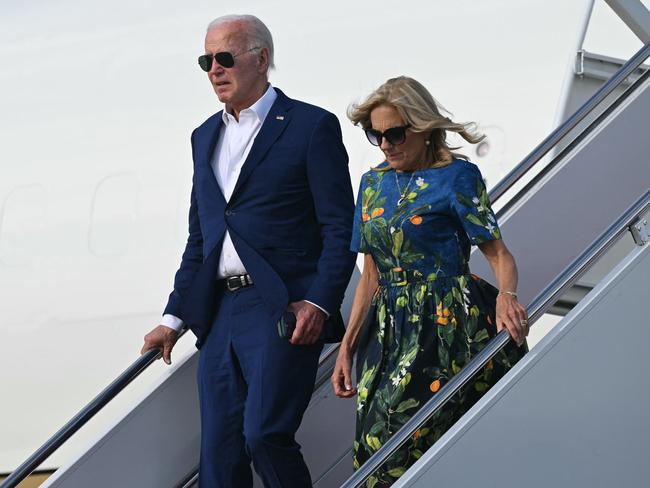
(421,112)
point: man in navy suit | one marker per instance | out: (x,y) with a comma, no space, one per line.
(269,231)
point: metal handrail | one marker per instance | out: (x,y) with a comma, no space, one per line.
(538,307)
(94,406)
(82,417)
(578,116)
(568,148)
(191,480)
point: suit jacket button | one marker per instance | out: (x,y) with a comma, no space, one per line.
(229,213)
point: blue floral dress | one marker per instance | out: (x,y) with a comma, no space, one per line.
(430,316)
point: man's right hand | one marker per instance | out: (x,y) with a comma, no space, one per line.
(163,337)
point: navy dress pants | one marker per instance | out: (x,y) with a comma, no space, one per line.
(253,388)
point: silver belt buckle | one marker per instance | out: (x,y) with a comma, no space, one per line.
(244,281)
(232,287)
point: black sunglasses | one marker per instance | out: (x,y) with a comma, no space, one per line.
(225,59)
(394,135)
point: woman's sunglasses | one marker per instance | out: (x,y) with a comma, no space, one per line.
(225,59)
(394,135)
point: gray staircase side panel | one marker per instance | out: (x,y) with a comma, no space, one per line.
(326,436)
(574,412)
(566,211)
(154,445)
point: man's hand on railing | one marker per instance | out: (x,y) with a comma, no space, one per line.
(163,337)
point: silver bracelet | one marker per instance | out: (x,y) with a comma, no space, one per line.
(506,292)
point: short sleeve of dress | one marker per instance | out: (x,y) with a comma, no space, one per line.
(469,201)
(359,243)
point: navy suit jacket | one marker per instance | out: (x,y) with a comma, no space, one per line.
(289,217)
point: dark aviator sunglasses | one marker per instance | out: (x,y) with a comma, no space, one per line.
(394,135)
(225,59)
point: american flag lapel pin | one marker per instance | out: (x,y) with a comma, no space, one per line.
(279,117)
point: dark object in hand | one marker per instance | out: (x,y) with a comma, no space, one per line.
(287,324)
(333,328)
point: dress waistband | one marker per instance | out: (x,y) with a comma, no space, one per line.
(402,277)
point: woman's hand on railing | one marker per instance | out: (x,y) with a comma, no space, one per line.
(342,375)
(512,315)
(162,337)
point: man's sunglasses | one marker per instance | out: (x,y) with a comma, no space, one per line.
(225,59)
(394,135)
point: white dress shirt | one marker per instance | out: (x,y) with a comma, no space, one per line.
(235,141)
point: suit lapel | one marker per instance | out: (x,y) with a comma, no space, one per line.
(274,124)
(207,144)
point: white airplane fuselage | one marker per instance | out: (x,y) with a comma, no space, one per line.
(96,111)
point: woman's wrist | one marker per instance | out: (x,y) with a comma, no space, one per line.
(511,293)
(347,346)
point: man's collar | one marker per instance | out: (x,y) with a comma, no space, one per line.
(260,108)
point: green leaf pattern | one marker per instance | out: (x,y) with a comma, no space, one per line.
(479,212)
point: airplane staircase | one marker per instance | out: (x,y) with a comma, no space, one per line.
(551,213)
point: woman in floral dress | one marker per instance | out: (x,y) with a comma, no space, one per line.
(418,214)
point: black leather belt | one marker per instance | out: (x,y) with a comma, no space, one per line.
(237,282)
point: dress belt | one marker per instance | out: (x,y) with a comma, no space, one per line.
(401,277)
(237,282)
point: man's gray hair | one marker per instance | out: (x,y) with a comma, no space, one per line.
(257,34)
